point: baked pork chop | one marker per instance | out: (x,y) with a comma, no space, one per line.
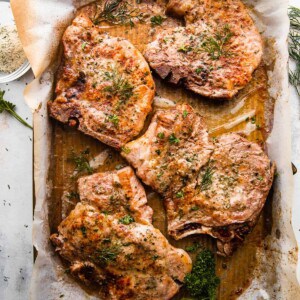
(172,151)
(227,196)
(104,85)
(109,241)
(214,188)
(215,54)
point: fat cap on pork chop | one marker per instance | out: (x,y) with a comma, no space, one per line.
(104,85)
(109,241)
(215,54)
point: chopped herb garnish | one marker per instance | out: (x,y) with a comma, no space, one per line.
(215,46)
(195,208)
(105,255)
(185,114)
(83,45)
(180,194)
(206,179)
(126,220)
(157,20)
(155,257)
(83,230)
(161,135)
(158,152)
(198,71)
(126,150)
(73,195)
(81,161)
(185,49)
(118,12)
(253,120)
(173,139)
(10,108)
(114,119)
(193,248)
(120,87)
(159,174)
(202,282)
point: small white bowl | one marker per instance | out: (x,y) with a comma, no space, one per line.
(8,19)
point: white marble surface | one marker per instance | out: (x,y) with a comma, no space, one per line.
(16,253)
(16,189)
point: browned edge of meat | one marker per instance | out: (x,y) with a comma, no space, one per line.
(214,55)
(217,188)
(104,85)
(111,244)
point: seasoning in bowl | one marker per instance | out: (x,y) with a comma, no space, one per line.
(12,55)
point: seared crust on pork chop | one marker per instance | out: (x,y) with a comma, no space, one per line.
(115,246)
(116,193)
(215,54)
(215,188)
(104,85)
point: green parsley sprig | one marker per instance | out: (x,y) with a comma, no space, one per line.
(202,282)
(10,108)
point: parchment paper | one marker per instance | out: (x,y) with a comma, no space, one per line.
(41,24)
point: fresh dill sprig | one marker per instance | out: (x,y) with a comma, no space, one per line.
(118,12)
(214,46)
(206,178)
(81,161)
(294,46)
(10,108)
(119,87)
(294,14)
(294,79)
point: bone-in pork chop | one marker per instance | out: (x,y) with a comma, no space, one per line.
(215,54)
(213,188)
(104,85)
(227,196)
(109,241)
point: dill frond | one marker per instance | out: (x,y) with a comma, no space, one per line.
(81,161)
(119,86)
(215,45)
(294,46)
(118,12)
